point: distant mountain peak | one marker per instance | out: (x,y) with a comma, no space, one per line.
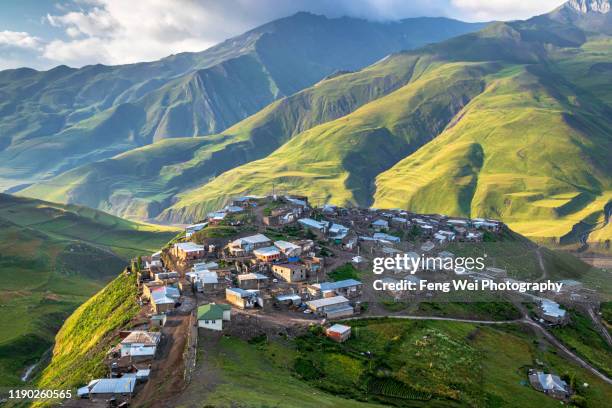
(589,6)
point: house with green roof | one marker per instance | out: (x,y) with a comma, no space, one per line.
(212,315)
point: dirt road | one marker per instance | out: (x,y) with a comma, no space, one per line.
(167,370)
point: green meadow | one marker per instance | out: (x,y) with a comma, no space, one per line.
(386,362)
(53,258)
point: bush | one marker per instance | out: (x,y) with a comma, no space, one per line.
(306,369)
(346,271)
(578,401)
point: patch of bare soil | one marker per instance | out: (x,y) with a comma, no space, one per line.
(167,370)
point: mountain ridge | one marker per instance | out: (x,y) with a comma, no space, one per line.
(51,120)
(336,140)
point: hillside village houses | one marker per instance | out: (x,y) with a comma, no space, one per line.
(252,281)
(188,251)
(331,307)
(243,299)
(211,316)
(338,332)
(267,254)
(549,384)
(108,388)
(204,280)
(290,272)
(140,344)
(252,273)
(246,245)
(192,229)
(164,298)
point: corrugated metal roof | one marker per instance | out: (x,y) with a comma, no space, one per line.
(316,304)
(347,283)
(142,337)
(124,385)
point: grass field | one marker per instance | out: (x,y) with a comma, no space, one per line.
(581,336)
(386,362)
(85,337)
(52,259)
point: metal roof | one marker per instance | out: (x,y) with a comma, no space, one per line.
(346,283)
(123,385)
(252,276)
(189,246)
(267,251)
(142,337)
(340,328)
(253,239)
(551,382)
(552,308)
(241,292)
(211,311)
(309,222)
(336,300)
(285,245)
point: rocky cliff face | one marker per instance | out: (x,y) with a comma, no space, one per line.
(589,6)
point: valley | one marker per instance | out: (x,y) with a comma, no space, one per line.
(53,258)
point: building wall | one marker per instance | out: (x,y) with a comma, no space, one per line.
(250,284)
(337,336)
(290,275)
(235,300)
(164,307)
(268,258)
(211,324)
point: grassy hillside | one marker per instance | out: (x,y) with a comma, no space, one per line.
(509,155)
(466,136)
(87,335)
(53,121)
(338,160)
(409,363)
(52,258)
(142,182)
(510,122)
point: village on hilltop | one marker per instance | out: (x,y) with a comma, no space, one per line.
(274,260)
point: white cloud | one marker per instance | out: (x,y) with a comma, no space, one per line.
(19,39)
(19,49)
(503,9)
(118,32)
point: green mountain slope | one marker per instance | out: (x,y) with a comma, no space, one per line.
(52,258)
(509,122)
(55,120)
(510,156)
(506,129)
(142,182)
(86,336)
(338,160)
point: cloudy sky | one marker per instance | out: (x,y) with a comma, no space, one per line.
(45,33)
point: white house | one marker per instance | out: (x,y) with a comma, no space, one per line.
(212,316)
(289,249)
(140,344)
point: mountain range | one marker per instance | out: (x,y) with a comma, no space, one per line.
(53,121)
(509,122)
